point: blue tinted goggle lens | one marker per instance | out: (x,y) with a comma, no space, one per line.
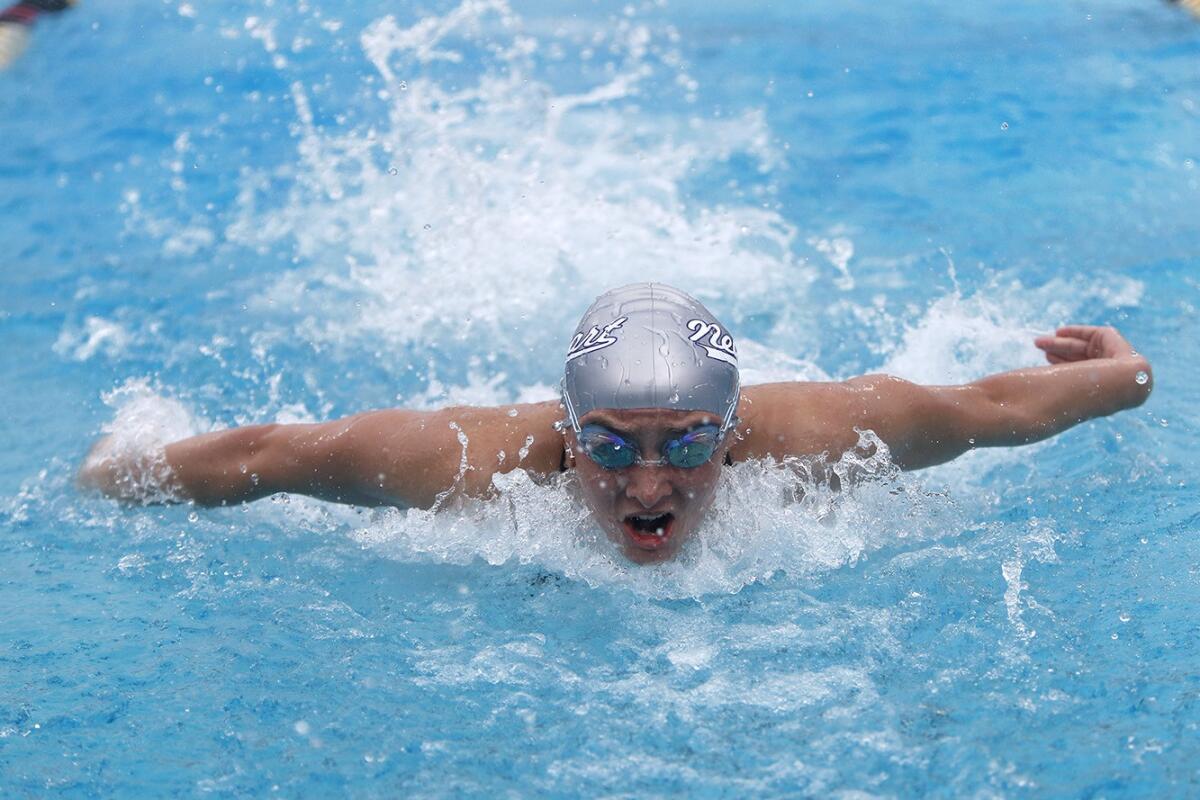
(612,451)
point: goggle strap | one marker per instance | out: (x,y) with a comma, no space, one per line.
(571,412)
(728,421)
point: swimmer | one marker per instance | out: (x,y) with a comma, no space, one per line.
(17,20)
(651,411)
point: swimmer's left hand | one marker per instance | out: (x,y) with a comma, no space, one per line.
(1084,342)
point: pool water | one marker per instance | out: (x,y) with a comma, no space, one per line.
(295,211)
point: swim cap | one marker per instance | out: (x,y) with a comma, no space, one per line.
(649,345)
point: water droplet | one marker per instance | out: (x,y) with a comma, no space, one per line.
(1003,126)
(1141,378)
(512,412)
(254,478)
(1124,617)
(971,441)
(243,469)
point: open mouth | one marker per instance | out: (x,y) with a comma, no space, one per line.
(649,531)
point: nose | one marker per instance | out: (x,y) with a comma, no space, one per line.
(647,485)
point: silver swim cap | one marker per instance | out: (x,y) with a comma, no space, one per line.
(649,345)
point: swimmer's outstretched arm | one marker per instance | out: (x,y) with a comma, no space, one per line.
(393,457)
(1093,372)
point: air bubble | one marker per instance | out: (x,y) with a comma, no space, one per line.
(193,517)
(1141,378)
(403,86)
(1124,616)
(512,412)
(393,171)
(1003,126)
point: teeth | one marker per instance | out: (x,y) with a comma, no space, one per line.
(648,518)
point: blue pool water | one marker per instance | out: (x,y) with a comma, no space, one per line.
(223,213)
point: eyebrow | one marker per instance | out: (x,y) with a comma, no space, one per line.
(616,427)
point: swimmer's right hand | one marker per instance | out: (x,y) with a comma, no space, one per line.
(126,474)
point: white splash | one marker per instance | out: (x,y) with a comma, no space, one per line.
(959,339)
(485,211)
(767,518)
(145,422)
(96,335)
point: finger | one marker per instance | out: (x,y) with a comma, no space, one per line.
(1078,331)
(1066,349)
(1053,359)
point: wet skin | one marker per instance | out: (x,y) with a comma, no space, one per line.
(631,504)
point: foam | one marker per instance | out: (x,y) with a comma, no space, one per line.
(768,518)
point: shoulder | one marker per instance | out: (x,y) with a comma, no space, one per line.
(521,435)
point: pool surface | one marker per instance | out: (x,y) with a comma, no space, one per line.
(217,214)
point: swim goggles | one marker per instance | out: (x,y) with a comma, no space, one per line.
(612,451)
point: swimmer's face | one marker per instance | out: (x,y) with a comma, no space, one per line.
(633,504)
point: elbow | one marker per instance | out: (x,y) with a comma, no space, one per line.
(263,452)
(1143,382)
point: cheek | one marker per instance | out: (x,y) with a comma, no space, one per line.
(598,485)
(699,488)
